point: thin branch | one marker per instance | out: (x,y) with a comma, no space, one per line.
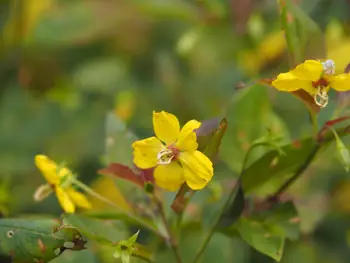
(170,240)
(297,174)
(91,192)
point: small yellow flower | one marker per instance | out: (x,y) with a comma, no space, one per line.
(314,77)
(174,154)
(60,181)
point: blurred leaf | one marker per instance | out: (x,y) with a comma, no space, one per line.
(283,220)
(271,165)
(261,238)
(249,115)
(86,256)
(118,141)
(212,147)
(105,231)
(27,239)
(123,172)
(191,236)
(106,187)
(304,38)
(206,131)
(343,152)
(103,75)
(234,209)
(80,22)
(168,9)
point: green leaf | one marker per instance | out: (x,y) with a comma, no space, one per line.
(261,238)
(132,240)
(104,231)
(234,209)
(168,9)
(249,116)
(80,22)
(212,147)
(282,220)
(343,152)
(118,141)
(104,75)
(125,257)
(28,239)
(304,38)
(272,165)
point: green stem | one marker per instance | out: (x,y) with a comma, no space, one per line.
(91,192)
(227,203)
(314,123)
(170,239)
(297,174)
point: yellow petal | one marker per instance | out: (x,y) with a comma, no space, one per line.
(78,198)
(48,168)
(169,176)
(340,82)
(166,127)
(198,169)
(64,200)
(146,151)
(188,139)
(288,82)
(309,70)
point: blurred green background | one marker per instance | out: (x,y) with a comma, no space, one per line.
(69,67)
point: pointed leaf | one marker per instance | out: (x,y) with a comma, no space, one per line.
(212,148)
(304,38)
(132,240)
(282,219)
(234,209)
(261,238)
(206,131)
(45,239)
(272,165)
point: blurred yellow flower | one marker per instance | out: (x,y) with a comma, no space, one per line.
(314,77)
(60,181)
(174,154)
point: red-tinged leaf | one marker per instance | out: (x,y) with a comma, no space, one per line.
(206,131)
(146,175)
(307,99)
(332,123)
(123,172)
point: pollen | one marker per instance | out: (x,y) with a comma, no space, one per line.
(167,155)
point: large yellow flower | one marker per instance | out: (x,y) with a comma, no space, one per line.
(174,153)
(314,77)
(59,180)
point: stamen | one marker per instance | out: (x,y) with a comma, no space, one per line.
(321,97)
(329,67)
(165,156)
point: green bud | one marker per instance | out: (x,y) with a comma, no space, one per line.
(343,152)
(149,187)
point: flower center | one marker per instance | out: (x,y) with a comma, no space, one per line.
(321,97)
(167,155)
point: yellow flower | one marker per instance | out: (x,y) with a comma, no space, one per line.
(314,77)
(174,153)
(60,181)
